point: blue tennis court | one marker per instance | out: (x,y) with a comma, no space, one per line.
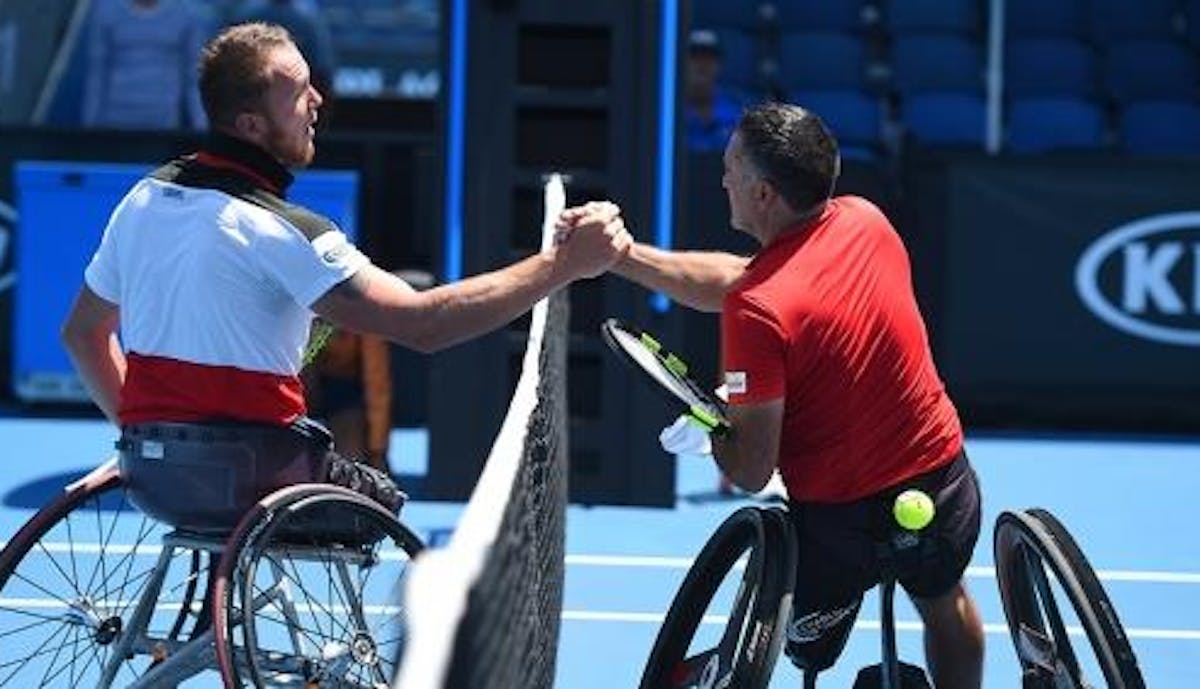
(1127,502)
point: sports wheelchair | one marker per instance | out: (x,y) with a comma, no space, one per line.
(202,549)
(762,543)
(1047,588)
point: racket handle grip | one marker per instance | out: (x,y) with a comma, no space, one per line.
(701,417)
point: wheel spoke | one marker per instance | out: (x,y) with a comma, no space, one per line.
(735,626)
(42,619)
(325,586)
(58,568)
(38,652)
(1063,650)
(71,576)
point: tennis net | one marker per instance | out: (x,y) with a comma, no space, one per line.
(484,611)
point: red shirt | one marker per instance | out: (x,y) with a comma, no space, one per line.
(825,317)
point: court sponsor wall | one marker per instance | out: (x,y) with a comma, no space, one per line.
(1066,292)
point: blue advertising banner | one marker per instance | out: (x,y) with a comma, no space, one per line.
(62,209)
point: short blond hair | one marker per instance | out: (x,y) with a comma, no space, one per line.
(233,74)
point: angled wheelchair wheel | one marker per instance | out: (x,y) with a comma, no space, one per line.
(726,624)
(1039,566)
(70,582)
(308,592)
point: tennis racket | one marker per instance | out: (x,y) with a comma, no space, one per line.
(667,371)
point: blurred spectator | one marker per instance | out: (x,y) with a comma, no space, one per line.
(710,111)
(421,14)
(348,386)
(141,65)
(308,29)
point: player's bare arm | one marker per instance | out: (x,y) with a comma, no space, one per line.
(90,337)
(749,451)
(696,279)
(378,302)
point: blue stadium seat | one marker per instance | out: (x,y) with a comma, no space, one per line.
(924,16)
(946,119)
(1123,19)
(1040,125)
(820,15)
(923,63)
(821,60)
(740,63)
(1150,70)
(853,116)
(1161,128)
(1049,67)
(1045,18)
(744,14)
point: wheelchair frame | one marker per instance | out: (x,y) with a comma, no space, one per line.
(765,594)
(114,631)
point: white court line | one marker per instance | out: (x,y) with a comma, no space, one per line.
(654,562)
(870,625)
(52,604)
(637,561)
(147,550)
(630,617)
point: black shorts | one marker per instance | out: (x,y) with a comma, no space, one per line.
(844,547)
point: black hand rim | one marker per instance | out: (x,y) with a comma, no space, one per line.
(764,534)
(1029,546)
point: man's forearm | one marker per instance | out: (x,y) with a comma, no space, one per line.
(697,279)
(748,452)
(374,301)
(101,367)
(480,304)
(730,456)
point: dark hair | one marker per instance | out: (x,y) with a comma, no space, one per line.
(233,77)
(793,150)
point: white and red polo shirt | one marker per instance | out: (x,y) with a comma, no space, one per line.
(215,275)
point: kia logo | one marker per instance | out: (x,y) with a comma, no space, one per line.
(1143,278)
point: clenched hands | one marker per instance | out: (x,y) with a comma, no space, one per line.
(592,238)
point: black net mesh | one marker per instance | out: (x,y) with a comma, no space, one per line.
(484,610)
(509,634)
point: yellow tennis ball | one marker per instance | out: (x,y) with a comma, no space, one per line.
(913,509)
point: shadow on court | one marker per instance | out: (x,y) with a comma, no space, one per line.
(35,494)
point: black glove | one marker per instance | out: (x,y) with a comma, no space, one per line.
(366,480)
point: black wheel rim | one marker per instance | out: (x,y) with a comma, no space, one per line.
(738,648)
(1061,620)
